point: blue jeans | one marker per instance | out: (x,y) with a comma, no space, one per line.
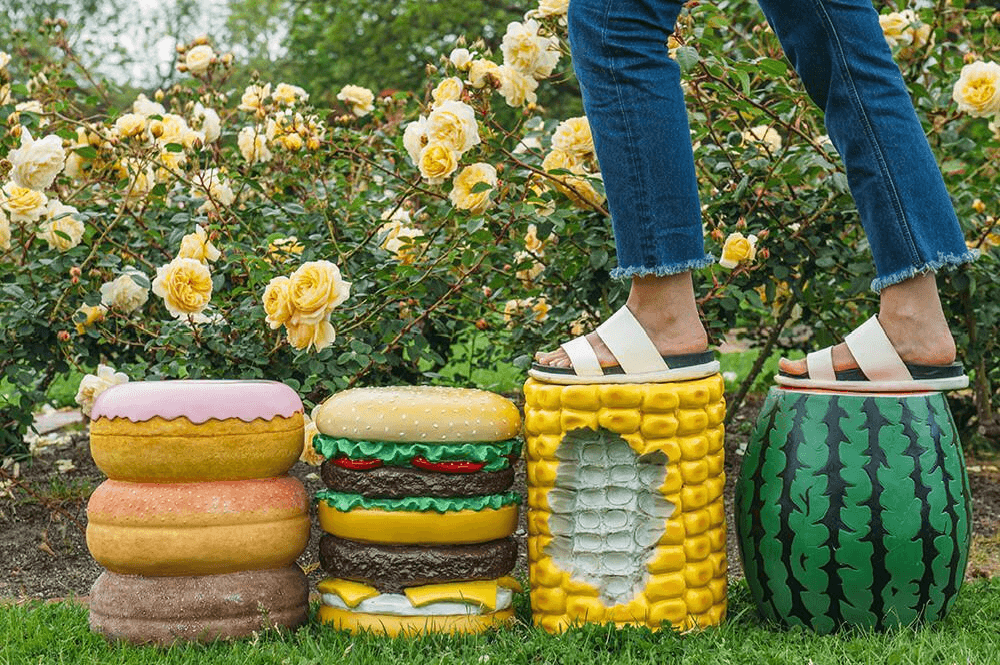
(633,99)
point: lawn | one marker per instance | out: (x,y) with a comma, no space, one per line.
(57,633)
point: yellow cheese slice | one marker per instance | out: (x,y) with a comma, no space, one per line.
(509,582)
(482,593)
(352,593)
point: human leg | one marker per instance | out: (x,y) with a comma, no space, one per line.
(635,105)
(838,50)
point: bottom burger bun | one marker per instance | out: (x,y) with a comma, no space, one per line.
(384,624)
(202,608)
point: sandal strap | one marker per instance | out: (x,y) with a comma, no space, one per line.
(628,342)
(819,364)
(582,356)
(875,354)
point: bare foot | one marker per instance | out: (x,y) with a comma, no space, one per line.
(665,308)
(911,315)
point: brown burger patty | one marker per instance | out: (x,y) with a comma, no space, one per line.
(399,482)
(391,568)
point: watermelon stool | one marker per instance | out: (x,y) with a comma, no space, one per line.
(853,509)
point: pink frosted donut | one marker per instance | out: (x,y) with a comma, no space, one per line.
(194,431)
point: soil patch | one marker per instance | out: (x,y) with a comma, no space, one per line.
(43,549)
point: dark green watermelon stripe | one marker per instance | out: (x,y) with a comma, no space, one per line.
(922,491)
(786,536)
(874,422)
(937,434)
(833,520)
(756,532)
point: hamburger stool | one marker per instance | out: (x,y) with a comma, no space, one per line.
(199,524)
(626,522)
(418,513)
(853,509)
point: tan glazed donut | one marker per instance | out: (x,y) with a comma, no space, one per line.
(191,431)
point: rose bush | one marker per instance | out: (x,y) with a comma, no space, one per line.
(357,242)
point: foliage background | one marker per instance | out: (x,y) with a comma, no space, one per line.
(406,319)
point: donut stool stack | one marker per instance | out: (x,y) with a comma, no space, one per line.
(198,524)
(852,509)
(626,522)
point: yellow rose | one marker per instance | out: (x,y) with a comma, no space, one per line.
(895,27)
(254,97)
(207,121)
(415,138)
(977,91)
(462,196)
(315,288)
(437,162)
(127,293)
(553,7)
(540,307)
(286,94)
(145,106)
(140,176)
(481,71)
(253,145)
(22,204)
(282,248)
(398,240)
(61,229)
(532,242)
(93,385)
(185,286)
(460,58)
(577,187)
(450,89)
(764,135)
(573,136)
(738,249)
(529,52)
(36,163)
(87,315)
(516,88)
(453,124)
(359,100)
(277,302)
(198,59)
(197,246)
(4,232)
(309,453)
(317,335)
(130,124)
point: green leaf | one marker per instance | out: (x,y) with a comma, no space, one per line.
(687,57)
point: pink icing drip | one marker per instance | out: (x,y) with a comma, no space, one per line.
(198,401)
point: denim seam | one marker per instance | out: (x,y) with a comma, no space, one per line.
(944,259)
(869,132)
(638,182)
(621,272)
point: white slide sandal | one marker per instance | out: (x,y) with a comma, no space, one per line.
(638,359)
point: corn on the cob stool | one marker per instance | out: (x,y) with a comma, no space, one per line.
(853,509)
(626,522)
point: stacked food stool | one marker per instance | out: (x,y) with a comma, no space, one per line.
(418,512)
(626,522)
(852,508)
(198,524)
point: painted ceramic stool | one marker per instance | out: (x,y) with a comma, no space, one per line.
(853,509)
(198,525)
(626,522)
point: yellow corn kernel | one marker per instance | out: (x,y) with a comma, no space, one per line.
(542,422)
(547,396)
(619,421)
(694,472)
(575,587)
(716,463)
(673,481)
(553,624)
(699,573)
(716,513)
(673,534)
(659,426)
(542,473)
(668,558)
(714,487)
(697,548)
(536,549)
(693,447)
(715,438)
(660,400)
(661,587)
(718,589)
(537,498)
(716,413)
(544,572)
(571,420)
(672,611)
(538,523)
(635,611)
(581,398)
(698,600)
(717,538)
(696,522)
(694,396)
(622,396)
(693,497)
(691,422)
(549,600)
(586,608)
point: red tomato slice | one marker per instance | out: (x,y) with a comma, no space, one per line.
(447,467)
(357,464)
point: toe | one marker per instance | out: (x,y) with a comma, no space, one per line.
(792,367)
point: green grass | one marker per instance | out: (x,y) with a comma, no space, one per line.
(736,365)
(58,633)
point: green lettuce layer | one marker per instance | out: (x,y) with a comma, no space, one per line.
(343,502)
(395,453)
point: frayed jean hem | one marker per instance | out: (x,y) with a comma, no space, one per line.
(622,273)
(943,260)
